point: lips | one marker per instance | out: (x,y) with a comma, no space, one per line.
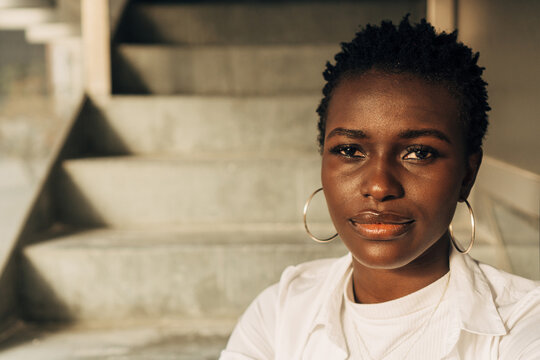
(376,225)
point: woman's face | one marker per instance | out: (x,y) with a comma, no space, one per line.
(394,167)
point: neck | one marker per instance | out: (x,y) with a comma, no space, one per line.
(380,285)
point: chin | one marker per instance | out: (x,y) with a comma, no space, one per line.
(382,262)
(381,256)
(395,254)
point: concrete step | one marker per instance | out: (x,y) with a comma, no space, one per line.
(21,18)
(203,124)
(260,22)
(7,4)
(51,32)
(227,70)
(107,275)
(196,188)
(121,191)
(134,342)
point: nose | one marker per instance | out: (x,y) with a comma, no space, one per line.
(380,181)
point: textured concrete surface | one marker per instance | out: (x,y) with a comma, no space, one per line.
(207,124)
(150,342)
(5,4)
(199,272)
(262,22)
(233,70)
(202,189)
(520,235)
(16,190)
(228,171)
(507,36)
(17,187)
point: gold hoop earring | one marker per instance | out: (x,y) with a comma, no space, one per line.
(473,231)
(306,206)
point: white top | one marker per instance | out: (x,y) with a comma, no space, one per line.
(489,314)
(411,327)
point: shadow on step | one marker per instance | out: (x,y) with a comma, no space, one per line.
(36,306)
(125,78)
(38,298)
(73,206)
(94,136)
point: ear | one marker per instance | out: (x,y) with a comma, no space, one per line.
(473,164)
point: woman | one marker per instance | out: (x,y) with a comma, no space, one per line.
(401,127)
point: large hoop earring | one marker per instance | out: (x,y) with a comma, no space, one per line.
(473,231)
(306,206)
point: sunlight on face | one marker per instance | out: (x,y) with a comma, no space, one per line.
(393,166)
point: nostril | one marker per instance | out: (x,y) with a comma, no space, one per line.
(382,186)
(381,198)
(389,197)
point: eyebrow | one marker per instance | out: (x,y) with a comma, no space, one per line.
(406,134)
(413,134)
(353,134)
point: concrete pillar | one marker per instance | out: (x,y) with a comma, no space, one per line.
(442,14)
(96,48)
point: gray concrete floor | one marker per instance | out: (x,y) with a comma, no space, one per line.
(133,343)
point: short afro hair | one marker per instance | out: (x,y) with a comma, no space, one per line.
(418,50)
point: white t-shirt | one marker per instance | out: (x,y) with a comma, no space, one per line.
(411,327)
(492,315)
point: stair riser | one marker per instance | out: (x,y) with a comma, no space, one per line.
(127,284)
(262,22)
(21,18)
(51,32)
(125,192)
(165,282)
(8,4)
(147,125)
(119,191)
(220,70)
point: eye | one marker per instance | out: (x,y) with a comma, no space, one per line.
(420,152)
(348,151)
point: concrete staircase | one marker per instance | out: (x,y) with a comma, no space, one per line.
(44,21)
(186,201)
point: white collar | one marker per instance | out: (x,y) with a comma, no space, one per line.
(470,296)
(473,297)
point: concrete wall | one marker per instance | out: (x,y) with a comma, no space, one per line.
(24,103)
(28,60)
(23,87)
(28,130)
(27,126)
(507,35)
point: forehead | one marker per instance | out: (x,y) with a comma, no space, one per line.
(381,102)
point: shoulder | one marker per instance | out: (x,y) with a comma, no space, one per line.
(518,302)
(308,274)
(312,281)
(512,294)
(297,279)
(301,280)
(281,309)
(500,312)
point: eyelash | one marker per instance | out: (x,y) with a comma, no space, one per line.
(422,149)
(422,152)
(342,149)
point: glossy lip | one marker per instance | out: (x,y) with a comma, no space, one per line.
(374,225)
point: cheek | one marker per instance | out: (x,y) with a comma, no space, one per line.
(436,194)
(338,173)
(328,176)
(337,186)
